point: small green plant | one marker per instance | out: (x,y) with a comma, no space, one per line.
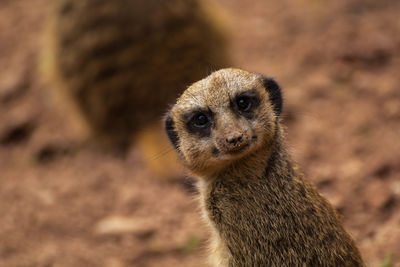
(191,244)
(387,262)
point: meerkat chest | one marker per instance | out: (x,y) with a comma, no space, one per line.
(240,226)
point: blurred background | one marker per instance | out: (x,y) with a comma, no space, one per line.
(75,193)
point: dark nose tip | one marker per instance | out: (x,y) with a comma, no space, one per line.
(235,140)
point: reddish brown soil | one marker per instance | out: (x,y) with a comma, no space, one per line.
(339,64)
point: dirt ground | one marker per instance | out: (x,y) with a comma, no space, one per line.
(339,65)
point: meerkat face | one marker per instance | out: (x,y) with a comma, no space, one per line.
(224,118)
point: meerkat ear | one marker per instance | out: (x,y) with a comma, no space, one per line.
(275,94)
(170,130)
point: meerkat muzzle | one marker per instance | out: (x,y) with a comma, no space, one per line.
(233,141)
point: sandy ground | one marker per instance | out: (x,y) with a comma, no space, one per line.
(339,65)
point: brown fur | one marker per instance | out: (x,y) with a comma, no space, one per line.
(123,61)
(261,209)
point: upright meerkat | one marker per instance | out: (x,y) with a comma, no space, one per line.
(121,62)
(260,207)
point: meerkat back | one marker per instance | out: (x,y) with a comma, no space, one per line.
(121,62)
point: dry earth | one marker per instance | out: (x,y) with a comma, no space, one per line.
(339,64)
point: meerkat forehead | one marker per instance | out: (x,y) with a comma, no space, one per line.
(218,89)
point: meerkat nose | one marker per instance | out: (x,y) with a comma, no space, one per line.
(234,140)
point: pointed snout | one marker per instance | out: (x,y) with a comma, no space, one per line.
(232,139)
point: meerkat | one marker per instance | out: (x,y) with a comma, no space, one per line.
(261,208)
(121,62)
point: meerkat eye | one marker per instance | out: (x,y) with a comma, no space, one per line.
(200,120)
(247,101)
(243,103)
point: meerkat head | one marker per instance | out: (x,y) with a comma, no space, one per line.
(223,118)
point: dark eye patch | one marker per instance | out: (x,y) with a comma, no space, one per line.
(170,130)
(199,122)
(246,102)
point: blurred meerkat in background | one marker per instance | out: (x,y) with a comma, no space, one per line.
(120,63)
